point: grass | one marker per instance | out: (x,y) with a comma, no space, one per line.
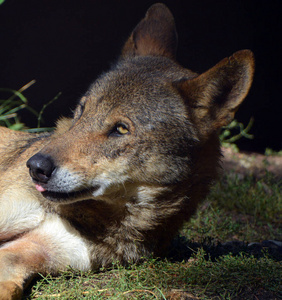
(200,278)
(233,132)
(242,209)
(12,102)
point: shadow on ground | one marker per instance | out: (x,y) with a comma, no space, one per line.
(182,249)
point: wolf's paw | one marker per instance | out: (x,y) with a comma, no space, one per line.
(10,291)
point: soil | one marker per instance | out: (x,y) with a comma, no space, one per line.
(251,163)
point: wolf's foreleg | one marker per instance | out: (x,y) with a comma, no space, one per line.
(51,247)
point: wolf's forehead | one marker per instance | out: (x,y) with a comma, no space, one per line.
(132,88)
(140,76)
(143,88)
(140,95)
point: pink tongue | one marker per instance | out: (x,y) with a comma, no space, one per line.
(40,188)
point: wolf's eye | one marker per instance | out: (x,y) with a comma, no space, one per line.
(119,130)
(122,129)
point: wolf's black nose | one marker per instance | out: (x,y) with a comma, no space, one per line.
(40,167)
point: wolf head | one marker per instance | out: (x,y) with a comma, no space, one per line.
(148,121)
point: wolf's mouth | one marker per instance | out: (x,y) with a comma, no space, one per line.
(70,196)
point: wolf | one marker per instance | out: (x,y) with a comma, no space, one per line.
(118,179)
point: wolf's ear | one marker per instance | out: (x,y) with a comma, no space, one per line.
(154,35)
(213,97)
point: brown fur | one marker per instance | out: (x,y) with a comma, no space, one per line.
(117,181)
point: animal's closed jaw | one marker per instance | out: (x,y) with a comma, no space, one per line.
(69,197)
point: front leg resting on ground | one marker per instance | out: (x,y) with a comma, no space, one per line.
(20,260)
(49,248)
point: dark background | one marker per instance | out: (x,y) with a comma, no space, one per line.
(65,45)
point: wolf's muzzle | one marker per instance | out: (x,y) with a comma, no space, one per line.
(41,167)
